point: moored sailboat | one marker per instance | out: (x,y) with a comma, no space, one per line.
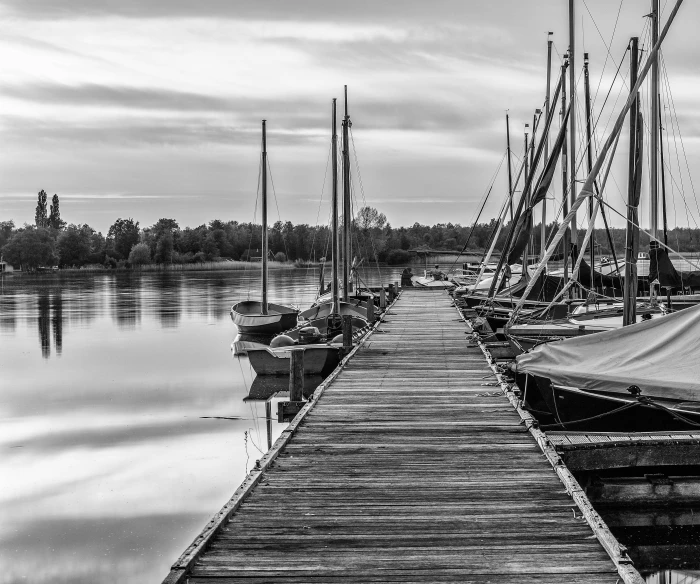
(261,316)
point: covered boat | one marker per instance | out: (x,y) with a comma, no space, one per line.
(643,377)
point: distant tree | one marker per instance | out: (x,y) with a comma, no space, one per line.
(74,245)
(140,254)
(280,257)
(370,218)
(164,248)
(40,218)
(30,248)
(124,234)
(55,220)
(6,229)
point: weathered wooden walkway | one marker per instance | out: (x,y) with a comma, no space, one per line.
(412,466)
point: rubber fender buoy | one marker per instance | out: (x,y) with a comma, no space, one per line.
(281,341)
(337,340)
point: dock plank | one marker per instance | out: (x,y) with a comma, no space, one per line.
(412,466)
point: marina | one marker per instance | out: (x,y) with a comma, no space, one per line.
(221,363)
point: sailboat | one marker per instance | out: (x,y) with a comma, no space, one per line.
(321,337)
(263,317)
(638,377)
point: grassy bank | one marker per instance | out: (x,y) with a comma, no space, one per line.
(198,267)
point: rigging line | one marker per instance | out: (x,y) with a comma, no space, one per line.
(320,201)
(602,109)
(255,214)
(680,135)
(279,216)
(681,188)
(607,54)
(486,198)
(362,192)
(661,244)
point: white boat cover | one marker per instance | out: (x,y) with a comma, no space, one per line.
(661,356)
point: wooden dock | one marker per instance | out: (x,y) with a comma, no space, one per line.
(410,464)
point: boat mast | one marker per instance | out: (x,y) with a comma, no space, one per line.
(263,306)
(631,245)
(510,173)
(526,196)
(564,177)
(334,211)
(589,156)
(653,146)
(572,119)
(543,230)
(587,189)
(663,179)
(346,202)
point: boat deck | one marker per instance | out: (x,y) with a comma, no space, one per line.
(410,464)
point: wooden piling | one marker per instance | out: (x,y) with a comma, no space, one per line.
(347,334)
(382,298)
(286,410)
(370,310)
(392,293)
(296,375)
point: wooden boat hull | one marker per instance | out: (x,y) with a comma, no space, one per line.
(318,359)
(248,317)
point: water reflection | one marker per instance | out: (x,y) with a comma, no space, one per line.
(113,453)
(126,300)
(44,324)
(57,320)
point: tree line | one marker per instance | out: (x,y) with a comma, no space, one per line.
(51,241)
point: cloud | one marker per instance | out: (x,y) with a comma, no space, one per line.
(114,96)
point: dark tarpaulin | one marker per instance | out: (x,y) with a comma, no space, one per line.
(604,280)
(662,269)
(523,227)
(545,288)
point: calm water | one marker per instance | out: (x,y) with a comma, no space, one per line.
(110,467)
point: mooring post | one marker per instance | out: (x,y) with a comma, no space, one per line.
(347,334)
(296,375)
(382,298)
(288,409)
(268,423)
(370,309)
(396,288)
(392,293)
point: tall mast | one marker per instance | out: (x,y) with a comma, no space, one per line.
(263,307)
(526,196)
(564,177)
(653,146)
(510,172)
(589,154)
(543,233)
(663,178)
(334,211)
(572,117)
(632,238)
(346,202)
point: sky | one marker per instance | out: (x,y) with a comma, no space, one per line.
(152,108)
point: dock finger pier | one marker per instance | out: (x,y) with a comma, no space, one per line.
(411,463)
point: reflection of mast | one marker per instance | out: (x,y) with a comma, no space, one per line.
(57,322)
(44,323)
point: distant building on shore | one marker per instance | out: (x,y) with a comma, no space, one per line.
(6,268)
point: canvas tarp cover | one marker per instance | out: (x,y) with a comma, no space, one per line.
(661,356)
